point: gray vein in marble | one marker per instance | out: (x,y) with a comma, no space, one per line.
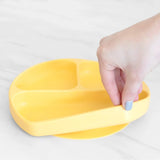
(139,142)
(72,39)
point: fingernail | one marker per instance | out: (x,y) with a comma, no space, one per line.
(128,105)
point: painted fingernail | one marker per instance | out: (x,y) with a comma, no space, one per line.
(128,105)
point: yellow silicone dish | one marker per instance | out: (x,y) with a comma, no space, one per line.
(66,98)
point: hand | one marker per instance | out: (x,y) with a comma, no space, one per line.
(126,57)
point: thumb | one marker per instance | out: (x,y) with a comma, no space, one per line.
(130,90)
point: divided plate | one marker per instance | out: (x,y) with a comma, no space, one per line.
(66,98)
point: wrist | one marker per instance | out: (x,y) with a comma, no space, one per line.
(156,22)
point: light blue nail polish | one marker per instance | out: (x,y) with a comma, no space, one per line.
(128,105)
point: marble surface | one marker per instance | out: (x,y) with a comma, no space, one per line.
(35,31)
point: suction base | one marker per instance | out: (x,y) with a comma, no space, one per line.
(93,133)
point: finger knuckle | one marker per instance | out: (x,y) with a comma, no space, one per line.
(102,41)
(136,77)
(100,50)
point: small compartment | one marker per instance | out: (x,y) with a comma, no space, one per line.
(89,75)
(40,106)
(59,74)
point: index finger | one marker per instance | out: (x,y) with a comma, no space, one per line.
(109,81)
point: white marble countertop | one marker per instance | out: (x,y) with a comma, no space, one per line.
(35,31)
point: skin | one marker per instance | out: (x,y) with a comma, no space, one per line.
(126,57)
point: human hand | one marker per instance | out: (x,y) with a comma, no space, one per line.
(126,57)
